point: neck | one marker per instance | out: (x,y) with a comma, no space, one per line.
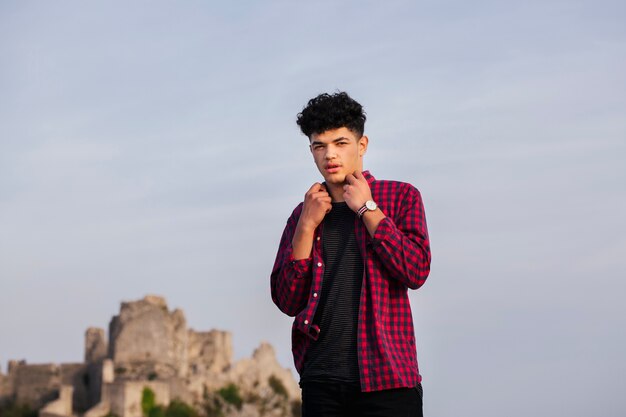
(336,192)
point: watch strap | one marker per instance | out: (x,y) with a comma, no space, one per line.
(361,211)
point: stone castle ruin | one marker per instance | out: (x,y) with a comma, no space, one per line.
(149,347)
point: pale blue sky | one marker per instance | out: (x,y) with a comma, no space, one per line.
(152,148)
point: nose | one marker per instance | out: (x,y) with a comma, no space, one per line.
(330,153)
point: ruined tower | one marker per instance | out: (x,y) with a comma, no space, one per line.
(148,341)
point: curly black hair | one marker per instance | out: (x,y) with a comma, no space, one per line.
(331,111)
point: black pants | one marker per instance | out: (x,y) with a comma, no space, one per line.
(331,400)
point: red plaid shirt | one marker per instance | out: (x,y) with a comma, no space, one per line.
(396,258)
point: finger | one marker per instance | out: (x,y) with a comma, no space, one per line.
(345,187)
(350,178)
(358,174)
(315,187)
(320,194)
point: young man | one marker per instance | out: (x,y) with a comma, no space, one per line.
(346,259)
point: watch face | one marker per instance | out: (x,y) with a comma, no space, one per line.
(371,205)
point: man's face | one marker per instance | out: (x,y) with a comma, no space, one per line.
(337,153)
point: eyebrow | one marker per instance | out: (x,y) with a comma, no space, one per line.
(317,142)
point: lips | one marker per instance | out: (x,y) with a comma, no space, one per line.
(332,168)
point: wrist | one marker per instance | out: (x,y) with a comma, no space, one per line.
(368,206)
(371,220)
(369,213)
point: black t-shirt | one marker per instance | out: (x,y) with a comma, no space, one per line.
(333,356)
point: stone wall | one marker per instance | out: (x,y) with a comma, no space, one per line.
(93,382)
(101,409)
(61,407)
(104,375)
(36,385)
(76,375)
(147,341)
(39,384)
(95,345)
(6,389)
(124,397)
(148,345)
(254,373)
(210,352)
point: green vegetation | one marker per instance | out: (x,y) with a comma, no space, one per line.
(148,402)
(230,394)
(218,403)
(212,407)
(278,386)
(156,411)
(176,408)
(11,409)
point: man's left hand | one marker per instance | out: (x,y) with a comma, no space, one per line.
(357,191)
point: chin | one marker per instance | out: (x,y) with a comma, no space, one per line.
(337,178)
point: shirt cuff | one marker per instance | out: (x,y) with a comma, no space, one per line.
(301,267)
(385,227)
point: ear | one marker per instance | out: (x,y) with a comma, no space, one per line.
(363,142)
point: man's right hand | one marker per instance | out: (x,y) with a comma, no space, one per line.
(316,205)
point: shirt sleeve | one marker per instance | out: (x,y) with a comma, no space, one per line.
(403,245)
(290,280)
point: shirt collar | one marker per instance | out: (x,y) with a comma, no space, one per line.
(369,177)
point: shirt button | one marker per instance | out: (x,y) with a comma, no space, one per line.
(318,238)
(306,322)
(319,264)
(314,294)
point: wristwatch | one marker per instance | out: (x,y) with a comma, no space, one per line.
(369,205)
